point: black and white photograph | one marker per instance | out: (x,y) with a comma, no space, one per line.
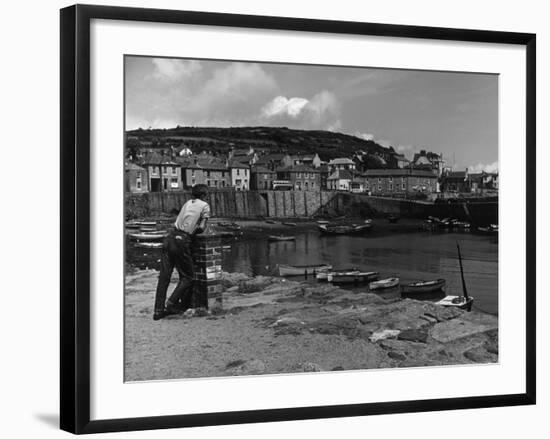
(294,218)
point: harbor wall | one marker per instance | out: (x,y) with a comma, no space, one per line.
(297,204)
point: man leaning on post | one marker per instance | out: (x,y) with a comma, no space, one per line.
(176,253)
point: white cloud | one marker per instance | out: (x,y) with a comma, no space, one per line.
(364,136)
(480,167)
(174,69)
(322,111)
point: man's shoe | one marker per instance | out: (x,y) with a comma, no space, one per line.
(159,315)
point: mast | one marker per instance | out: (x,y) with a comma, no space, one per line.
(462,272)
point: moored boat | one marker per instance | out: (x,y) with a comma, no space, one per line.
(353,277)
(271,221)
(149,244)
(390,282)
(424,286)
(457,302)
(344,230)
(148,236)
(323,275)
(300,270)
(274,238)
(289,224)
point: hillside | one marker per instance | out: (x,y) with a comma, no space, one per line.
(327,144)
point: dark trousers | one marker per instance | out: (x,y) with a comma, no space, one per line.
(176,253)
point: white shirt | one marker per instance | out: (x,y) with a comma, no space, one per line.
(191,215)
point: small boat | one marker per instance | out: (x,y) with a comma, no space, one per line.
(301,270)
(424,286)
(149,244)
(148,236)
(323,222)
(463,302)
(271,221)
(393,219)
(145,223)
(457,302)
(353,277)
(390,282)
(344,230)
(274,238)
(323,275)
(289,224)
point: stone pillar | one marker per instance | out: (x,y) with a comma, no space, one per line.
(207,256)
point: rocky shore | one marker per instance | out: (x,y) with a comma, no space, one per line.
(270,325)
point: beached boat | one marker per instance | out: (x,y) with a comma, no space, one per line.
(300,270)
(275,238)
(390,282)
(289,224)
(463,302)
(344,230)
(148,236)
(424,286)
(457,302)
(323,275)
(353,277)
(271,221)
(149,244)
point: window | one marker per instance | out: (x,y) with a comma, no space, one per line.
(238,172)
(265,176)
(207,174)
(306,186)
(164,169)
(223,183)
(312,185)
(174,170)
(174,183)
(193,173)
(154,168)
(391,186)
(379,180)
(391,179)
(193,182)
(379,187)
(403,186)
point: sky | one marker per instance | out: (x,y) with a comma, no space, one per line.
(445,112)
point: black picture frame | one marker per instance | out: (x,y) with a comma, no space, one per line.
(75,217)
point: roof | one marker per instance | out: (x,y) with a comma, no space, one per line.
(456,174)
(129,166)
(237,164)
(206,163)
(399,173)
(341,174)
(303,156)
(401,157)
(341,161)
(157,159)
(263,169)
(297,168)
(271,157)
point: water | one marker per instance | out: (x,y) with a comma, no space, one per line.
(409,256)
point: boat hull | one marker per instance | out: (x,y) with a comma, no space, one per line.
(384,284)
(291,270)
(344,230)
(426,287)
(457,302)
(281,238)
(353,278)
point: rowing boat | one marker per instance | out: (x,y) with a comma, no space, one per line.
(457,302)
(281,238)
(424,286)
(300,270)
(323,275)
(390,282)
(148,236)
(353,277)
(344,230)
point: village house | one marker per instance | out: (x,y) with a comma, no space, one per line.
(343,164)
(429,161)
(455,181)
(301,177)
(135,178)
(312,160)
(244,155)
(164,174)
(400,181)
(274,161)
(261,178)
(240,175)
(399,161)
(482,182)
(339,180)
(204,170)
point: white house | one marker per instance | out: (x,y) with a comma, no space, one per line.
(240,175)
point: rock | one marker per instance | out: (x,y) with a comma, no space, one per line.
(309,367)
(232,279)
(397,355)
(429,318)
(415,335)
(451,330)
(384,334)
(480,355)
(251,367)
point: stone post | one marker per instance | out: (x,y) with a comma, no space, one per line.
(207,257)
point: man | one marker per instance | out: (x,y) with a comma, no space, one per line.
(176,252)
